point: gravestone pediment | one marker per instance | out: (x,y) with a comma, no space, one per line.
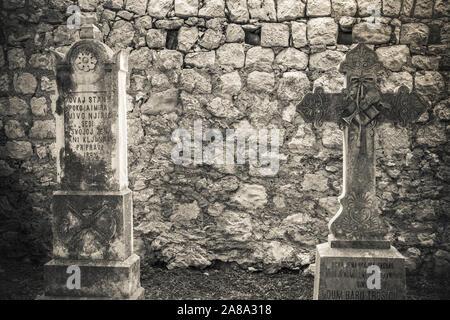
(89,61)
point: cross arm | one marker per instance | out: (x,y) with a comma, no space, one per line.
(403,106)
(319,106)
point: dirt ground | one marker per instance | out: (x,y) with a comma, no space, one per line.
(24,280)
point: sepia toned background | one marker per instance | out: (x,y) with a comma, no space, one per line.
(233,64)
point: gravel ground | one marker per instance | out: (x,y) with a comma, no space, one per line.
(23,280)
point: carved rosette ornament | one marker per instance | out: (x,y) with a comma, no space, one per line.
(85,61)
(358,109)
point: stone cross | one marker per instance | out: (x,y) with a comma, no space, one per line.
(93,210)
(358,262)
(358,109)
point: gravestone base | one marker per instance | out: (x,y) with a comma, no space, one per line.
(98,280)
(341,274)
(94,225)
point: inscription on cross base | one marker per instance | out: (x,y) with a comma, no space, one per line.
(358,109)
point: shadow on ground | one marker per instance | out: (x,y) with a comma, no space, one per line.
(23,280)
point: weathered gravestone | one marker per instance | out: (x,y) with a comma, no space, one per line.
(93,210)
(347,266)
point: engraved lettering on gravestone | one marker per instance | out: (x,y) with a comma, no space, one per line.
(86,114)
(358,109)
(74,280)
(358,271)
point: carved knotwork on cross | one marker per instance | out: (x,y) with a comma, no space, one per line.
(357,110)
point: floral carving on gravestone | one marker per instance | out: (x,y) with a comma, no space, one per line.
(85,61)
(361,220)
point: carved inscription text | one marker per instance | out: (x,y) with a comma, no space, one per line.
(87,116)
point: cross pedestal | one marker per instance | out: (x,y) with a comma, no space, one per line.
(357,251)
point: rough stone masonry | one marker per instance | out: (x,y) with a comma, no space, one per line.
(233,64)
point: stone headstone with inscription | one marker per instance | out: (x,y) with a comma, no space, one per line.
(93,210)
(358,262)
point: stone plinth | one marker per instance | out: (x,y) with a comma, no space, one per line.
(92,230)
(99,279)
(341,274)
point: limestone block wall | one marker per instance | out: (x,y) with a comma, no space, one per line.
(233,64)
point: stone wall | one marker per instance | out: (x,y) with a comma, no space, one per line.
(233,64)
